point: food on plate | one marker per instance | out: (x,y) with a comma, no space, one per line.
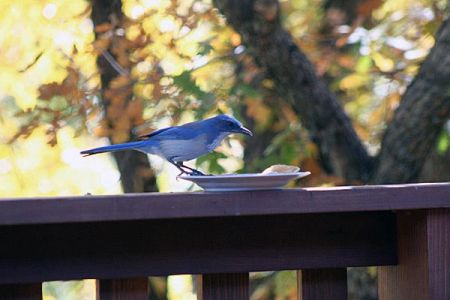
(279,169)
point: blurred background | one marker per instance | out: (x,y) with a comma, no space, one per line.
(77,74)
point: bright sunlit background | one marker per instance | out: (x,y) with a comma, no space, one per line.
(42,41)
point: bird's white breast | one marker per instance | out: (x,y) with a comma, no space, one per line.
(216,141)
(184,150)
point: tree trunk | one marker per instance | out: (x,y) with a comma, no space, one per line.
(258,22)
(436,167)
(423,111)
(136,174)
(134,167)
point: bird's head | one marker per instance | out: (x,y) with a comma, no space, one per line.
(226,123)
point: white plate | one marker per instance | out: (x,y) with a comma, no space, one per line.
(244,182)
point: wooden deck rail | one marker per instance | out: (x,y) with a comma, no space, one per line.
(403,229)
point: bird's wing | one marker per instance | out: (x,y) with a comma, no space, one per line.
(156,132)
(185,131)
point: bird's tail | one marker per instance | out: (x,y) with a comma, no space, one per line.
(112,148)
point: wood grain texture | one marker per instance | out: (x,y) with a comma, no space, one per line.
(423,272)
(130,249)
(31,291)
(407,280)
(109,237)
(195,205)
(224,286)
(322,284)
(438,227)
(123,289)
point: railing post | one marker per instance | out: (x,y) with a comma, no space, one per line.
(223,286)
(423,271)
(123,289)
(322,284)
(31,291)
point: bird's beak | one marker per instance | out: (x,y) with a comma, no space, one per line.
(245,131)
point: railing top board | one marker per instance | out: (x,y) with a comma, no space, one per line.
(16,211)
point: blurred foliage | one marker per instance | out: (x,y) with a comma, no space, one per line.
(177,58)
(280,285)
(32,168)
(69,290)
(177,61)
(362,283)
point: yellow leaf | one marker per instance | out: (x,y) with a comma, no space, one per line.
(353,81)
(4,151)
(385,64)
(268,83)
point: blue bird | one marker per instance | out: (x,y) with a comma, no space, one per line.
(182,143)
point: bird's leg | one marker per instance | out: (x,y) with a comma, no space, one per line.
(179,168)
(183,168)
(193,172)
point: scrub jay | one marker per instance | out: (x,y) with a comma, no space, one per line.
(182,143)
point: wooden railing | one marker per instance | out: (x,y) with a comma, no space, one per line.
(403,229)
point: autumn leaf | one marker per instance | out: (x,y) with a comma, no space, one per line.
(48,91)
(102,28)
(259,112)
(365,8)
(353,81)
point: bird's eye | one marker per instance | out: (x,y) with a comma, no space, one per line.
(230,124)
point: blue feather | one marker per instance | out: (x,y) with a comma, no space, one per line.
(113,148)
(182,143)
(156,132)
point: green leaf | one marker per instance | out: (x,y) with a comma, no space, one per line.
(364,64)
(212,160)
(288,153)
(246,90)
(58,103)
(443,142)
(285,283)
(188,85)
(204,48)
(277,142)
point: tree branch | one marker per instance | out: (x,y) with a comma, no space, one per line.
(258,22)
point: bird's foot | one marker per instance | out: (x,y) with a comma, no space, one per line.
(196,173)
(191,173)
(185,170)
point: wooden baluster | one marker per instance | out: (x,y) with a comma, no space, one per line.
(32,291)
(223,286)
(322,284)
(123,289)
(423,271)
